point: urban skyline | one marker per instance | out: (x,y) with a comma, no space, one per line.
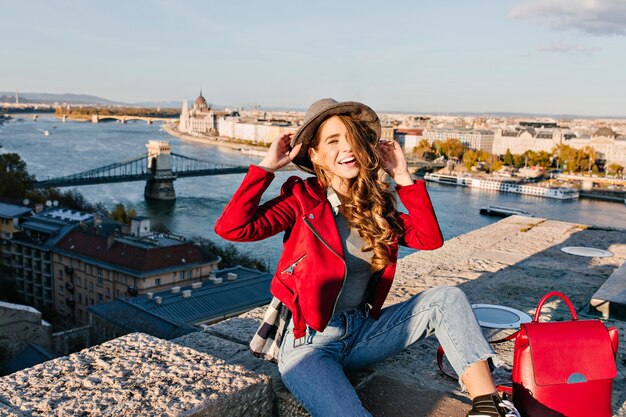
(518,56)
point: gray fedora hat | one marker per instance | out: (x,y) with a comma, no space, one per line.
(320,111)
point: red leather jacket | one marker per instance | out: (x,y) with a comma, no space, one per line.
(311,269)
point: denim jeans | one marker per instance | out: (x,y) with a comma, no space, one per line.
(313,368)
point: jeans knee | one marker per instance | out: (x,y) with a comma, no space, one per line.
(451,296)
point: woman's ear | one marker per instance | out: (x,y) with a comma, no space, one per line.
(312,155)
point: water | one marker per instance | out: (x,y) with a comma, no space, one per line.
(73,147)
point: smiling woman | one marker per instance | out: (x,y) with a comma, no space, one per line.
(342,232)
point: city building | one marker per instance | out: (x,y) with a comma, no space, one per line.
(181,310)
(609,145)
(200,119)
(408,138)
(31,250)
(522,139)
(93,269)
(470,138)
(258,131)
(10,217)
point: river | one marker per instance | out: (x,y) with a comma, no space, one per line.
(72,147)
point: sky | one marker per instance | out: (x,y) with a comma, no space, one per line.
(526,56)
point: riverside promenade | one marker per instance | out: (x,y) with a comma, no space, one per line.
(513,262)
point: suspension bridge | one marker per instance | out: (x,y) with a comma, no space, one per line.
(159,167)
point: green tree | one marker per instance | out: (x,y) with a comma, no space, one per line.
(508,157)
(15,181)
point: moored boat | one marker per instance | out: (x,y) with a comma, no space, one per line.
(504,211)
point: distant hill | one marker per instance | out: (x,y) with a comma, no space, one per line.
(67,98)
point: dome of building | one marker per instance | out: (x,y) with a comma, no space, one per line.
(200,101)
(606,132)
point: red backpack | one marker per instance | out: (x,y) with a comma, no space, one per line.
(564,369)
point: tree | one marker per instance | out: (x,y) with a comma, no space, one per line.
(567,157)
(508,157)
(423,148)
(123,215)
(615,169)
(452,148)
(470,158)
(15,181)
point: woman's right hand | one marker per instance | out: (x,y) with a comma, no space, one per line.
(280,153)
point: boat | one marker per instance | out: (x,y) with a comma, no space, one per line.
(254,152)
(504,211)
(504,186)
(46,133)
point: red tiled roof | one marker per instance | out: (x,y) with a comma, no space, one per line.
(410,131)
(133,257)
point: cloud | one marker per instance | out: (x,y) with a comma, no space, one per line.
(596,17)
(566,48)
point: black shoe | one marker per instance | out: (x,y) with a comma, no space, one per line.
(492,405)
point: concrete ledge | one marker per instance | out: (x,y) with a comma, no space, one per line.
(136,375)
(610,299)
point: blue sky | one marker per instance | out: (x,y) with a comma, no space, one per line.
(533,56)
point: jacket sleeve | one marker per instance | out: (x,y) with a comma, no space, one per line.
(244,220)
(421,229)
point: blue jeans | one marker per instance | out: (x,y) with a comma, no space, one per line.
(314,370)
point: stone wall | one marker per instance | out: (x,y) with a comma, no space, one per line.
(20,325)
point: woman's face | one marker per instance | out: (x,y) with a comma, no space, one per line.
(334,152)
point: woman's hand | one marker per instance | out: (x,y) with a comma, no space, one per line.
(280,153)
(392,160)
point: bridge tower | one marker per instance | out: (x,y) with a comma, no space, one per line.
(161,184)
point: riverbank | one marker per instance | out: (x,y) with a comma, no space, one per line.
(221,141)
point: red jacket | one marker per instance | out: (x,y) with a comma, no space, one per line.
(311,269)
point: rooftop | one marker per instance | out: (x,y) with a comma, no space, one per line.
(10,211)
(174,314)
(131,255)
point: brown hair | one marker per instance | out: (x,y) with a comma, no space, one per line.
(371,205)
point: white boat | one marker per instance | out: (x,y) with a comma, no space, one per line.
(46,133)
(504,211)
(254,152)
(505,186)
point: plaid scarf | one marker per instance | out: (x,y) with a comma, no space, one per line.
(266,342)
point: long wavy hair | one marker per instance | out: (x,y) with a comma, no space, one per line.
(370,206)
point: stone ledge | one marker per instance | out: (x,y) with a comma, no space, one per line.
(610,299)
(137,375)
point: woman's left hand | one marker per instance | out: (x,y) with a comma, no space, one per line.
(393,161)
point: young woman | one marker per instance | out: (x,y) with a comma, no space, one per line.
(341,239)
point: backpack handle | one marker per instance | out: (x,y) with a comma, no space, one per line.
(555,294)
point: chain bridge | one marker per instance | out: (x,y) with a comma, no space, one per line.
(159,167)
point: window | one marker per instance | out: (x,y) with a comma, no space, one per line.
(182,275)
(189,273)
(61,290)
(60,273)
(157,281)
(108,292)
(100,276)
(78,281)
(100,298)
